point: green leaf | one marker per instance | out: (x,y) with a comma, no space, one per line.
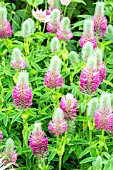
(90,159)
(87,150)
(52,155)
(78,141)
(108,83)
(16,117)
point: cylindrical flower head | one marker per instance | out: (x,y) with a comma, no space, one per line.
(54,4)
(100,22)
(54,44)
(5,29)
(99,56)
(53,25)
(104,116)
(89,78)
(64,33)
(88,28)
(92,62)
(53,79)
(1,136)
(55,64)
(109,29)
(58,125)
(26,29)
(22,94)
(99,9)
(3,14)
(87,50)
(10,152)
(100,65)
(37,142)
(97,165)
(92,107)
(65,2)
(17,61)
(104,121)
(73,57)
(105,102)
(31,21)
(88,34)
(68,105)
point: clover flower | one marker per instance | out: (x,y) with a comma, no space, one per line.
(22,94)
(37,142)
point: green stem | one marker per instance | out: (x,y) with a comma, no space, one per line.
(102,134)
(90,135)
(60,162)
(65,10)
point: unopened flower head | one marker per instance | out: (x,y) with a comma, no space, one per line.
(105,102)
(88,28)
(23,78)
(65,2)
(87,50)
(27,28)
(32,24)
(98,163)
(99,55)
(73,57)
(68,104)
(9,146)
(65,24)
(109,29)
(92,62)
(58,125)
(58,114)
(22,94)
(54,4)
(37,142)
(55,44)
(10,152)
(17,61)
(3,14)
(100,65)
(55,16)
(99,9)
(1,136)
(55,64)
(92,107)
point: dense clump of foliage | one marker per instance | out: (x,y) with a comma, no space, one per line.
(56,85)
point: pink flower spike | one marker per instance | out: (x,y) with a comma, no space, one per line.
(40,15)
(37,142)
(5,29)
(68,105)
(10,152)
(53,80)
(104,121)
(102,71)
(58,125)
(22,94)
(85,39)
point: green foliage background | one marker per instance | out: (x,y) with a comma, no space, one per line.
(79,152)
